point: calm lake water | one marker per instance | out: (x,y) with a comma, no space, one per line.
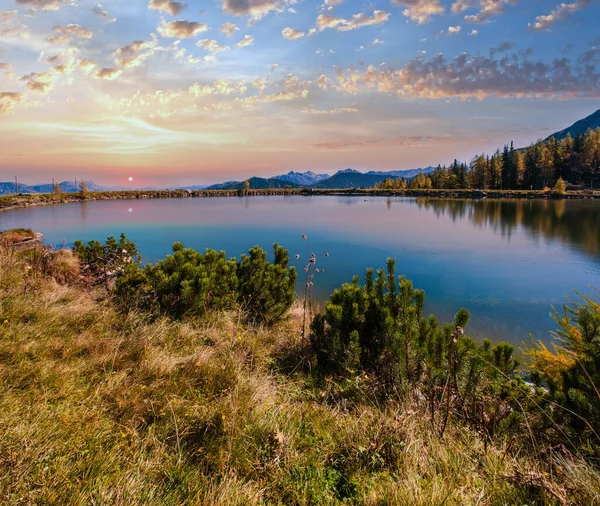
(506,261)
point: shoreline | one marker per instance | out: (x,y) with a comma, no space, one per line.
(11,202)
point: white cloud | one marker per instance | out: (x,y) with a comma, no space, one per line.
(248,40)
(562,12)
(168,6)
(292,34)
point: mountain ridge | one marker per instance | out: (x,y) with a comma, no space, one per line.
(579,127)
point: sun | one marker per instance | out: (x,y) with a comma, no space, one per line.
(130,179)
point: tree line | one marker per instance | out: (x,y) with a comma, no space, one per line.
(543,165)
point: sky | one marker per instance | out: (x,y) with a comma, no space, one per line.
(197,92)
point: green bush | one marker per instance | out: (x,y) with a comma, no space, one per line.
(570,375)
(266,290)
(379,329)
(104,261)
(191,283)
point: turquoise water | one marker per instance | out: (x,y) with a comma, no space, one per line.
(505,261)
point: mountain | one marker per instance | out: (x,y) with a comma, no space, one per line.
(67,187)
(256,183)
(350,179)
(405,174)
(580,127)
(7,188)
(302,178)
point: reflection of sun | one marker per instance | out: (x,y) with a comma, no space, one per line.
(130,179)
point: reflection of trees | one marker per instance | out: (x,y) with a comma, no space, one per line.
(574,221)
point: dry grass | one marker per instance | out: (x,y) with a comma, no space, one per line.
(97,407)
(16,235)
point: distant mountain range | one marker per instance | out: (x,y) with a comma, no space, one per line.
(579,127)
(7,188)
(302,178)
(347,178)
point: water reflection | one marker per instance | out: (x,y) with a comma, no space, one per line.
(576,222)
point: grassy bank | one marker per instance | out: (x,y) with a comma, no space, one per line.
(19,201)
(101,408)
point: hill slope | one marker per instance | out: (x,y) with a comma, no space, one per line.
(302,178)
(256,183)
(351,179)
(579,127)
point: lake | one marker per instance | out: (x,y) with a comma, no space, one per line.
(506,261)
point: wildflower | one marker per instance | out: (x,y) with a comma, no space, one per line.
(304,236)
(5,322)
(297,257)
(317,270)
(306,269)
(313,255)
(326,254)
(313,260)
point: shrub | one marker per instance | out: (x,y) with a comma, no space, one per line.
(560,188)
(191,283)
(104,261)
(379,329)
(571,373)
(266,290)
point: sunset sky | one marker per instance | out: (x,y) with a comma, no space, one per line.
(198,92)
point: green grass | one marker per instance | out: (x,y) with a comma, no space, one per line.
(97,407)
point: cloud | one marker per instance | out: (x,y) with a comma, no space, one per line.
(182,29)
(248,40)
(338,110)
(169,6)
(58,39)
(7,16)
(87,65)
(325,21)
(502,48)
(135,53)
(229,29)
(212,46)
(46,5)
(474,32)
(220,87)
(452,30)
(99,11)
(8,100)
(256,9)
(40,82)
(74,30)
(400,140)
(334,2)
(5,66)
(292,34)
(108,74)
(376,42)
(15,31)
(560,13)
(465,76)
(420,11)
(487,9)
